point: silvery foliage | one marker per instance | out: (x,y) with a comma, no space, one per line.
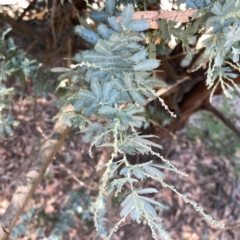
(219,20)
(111,82)
(197,3)
(223,27)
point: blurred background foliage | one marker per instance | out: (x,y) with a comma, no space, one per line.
(213,132)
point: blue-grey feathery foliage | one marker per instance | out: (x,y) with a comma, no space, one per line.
(99,16)
(222,25)
(112,82)
(197,3)
(219,22)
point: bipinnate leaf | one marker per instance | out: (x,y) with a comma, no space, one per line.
(135,214)
(138,173)
(230,6)
(191,4)
(107,110)
(142,139)
(99,16)
(117,184)
(147,191)
(96,89)
(102,47)
(151,201)
(93,129)
(107,87)
(110,6)
(137,97)
(217,8)
(104,31)
(128,205)
(139,56)
(146,65)
(113,80)
(138,25)
(134,205)
(114,24)
(154,172)
(149,208)
(195,3)
(127,14)
(87,34)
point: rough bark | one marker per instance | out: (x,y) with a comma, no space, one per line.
(34,175)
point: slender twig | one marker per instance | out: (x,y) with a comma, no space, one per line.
(162,91)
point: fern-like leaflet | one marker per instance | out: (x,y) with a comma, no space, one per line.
(114,81)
